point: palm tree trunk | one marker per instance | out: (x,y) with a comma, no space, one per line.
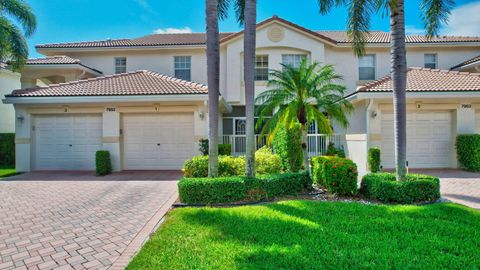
(213,74)
(398,72)
(249,70)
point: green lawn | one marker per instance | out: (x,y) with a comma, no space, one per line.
(7,171)
(316,235)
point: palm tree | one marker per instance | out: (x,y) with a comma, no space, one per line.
(13,46)
(434,13)
(307,94)
(249,44)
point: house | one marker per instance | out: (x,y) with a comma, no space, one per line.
(145,99)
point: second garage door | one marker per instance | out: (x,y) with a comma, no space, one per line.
(157,141)
(429,140)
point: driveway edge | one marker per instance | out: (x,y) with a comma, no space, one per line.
(143,235)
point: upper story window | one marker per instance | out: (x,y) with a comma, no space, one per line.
(430,60)
(366,67)
(293,60)
(261,68)
(120,65)
(183,67)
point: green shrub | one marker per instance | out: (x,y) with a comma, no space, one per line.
(341,151)
(317,165)
(416,188)
(266,162)
(331,149)
(7,149)
(288,145)
(239,188)
(103,163)
(374,159)
(224,149)
(339,176)
(468,151)
(227,166)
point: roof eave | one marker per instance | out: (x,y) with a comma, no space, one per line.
(416,94)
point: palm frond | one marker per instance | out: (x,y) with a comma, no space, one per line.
(326,5)
(13,47)
(222,9)
(22,12)
(358,24)
(434,14)
(240,11)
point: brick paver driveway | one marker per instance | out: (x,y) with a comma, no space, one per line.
(458,186)
(75,220)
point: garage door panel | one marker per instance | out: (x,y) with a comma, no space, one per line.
(157,141)
(67,142)
(429,140)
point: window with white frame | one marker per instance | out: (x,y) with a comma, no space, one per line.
(120,65)
(366,67)
(293,60)
(261,68)
(183,67)
(430,60)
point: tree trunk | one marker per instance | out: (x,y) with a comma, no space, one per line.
(213,75)
(249,71)
(306,162)
(398,72)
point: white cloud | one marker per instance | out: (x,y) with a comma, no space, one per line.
(172,30)
(412,30)
(464,21)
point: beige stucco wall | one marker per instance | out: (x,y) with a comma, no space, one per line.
(8,81)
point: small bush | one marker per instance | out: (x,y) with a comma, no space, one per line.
(339,176)
(468,151)
(227,166)
(416,188)
(266,162)
(341,152)
(7,149)
(317,165)
(374,159)
(224,149)
(103,163)
(288,145)
(331,149)
(239,188)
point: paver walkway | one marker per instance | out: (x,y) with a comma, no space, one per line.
(70,220)
(458,186)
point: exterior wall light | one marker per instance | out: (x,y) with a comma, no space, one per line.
(20,118)
(374,114)
(201,114)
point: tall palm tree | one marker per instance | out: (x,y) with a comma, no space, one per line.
(307,94)
(213,77)
(434,13)
(249,44)
(13,46)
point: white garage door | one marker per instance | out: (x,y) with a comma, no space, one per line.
(67,142)
(157,141)
(429,140)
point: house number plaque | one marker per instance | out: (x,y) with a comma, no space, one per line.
(466,106)
(110,109)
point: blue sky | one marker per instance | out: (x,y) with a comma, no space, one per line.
(82,20)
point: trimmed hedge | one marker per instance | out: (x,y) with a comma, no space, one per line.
(288,145)
(373,159)
(317,163)
(468,151)
(339,176)
(7,149)
(385,188)
(234,189)
(227,166)
(103,164)
(266,162)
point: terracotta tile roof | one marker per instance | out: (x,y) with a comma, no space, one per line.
(384,37)
(469,61)
(52,60)
(428,80)
(185,39)
(141,82)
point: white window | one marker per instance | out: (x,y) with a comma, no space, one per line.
(293,60)
(120,65)
(430,60)
(183,67)
(261,68)
(366,67)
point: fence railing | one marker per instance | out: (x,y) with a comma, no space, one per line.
(317,143)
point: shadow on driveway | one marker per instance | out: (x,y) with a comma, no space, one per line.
(90,176)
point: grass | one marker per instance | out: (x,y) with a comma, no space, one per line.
(316,235)
(6,171)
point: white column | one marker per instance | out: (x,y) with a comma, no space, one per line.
(111,137)
(465,119)
(23,138)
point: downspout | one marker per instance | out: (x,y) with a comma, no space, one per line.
(368,113)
